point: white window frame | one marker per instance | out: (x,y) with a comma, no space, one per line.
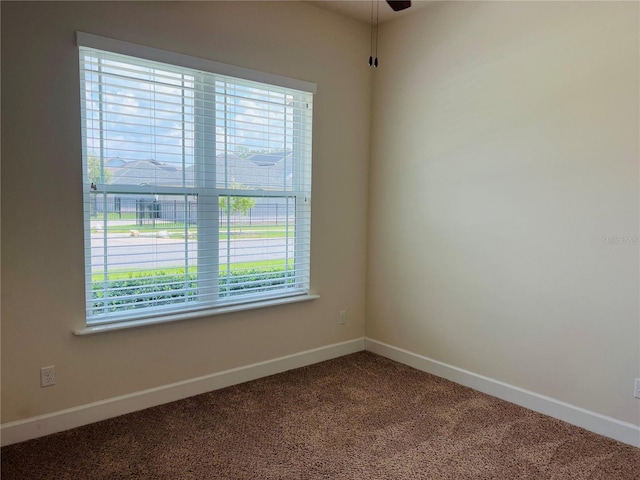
(302,245)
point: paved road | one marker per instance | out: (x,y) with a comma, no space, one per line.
(151,252)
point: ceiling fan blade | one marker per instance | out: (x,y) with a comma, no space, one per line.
(398,5)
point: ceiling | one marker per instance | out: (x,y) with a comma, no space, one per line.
(361,9)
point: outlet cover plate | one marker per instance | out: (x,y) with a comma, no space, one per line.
(47,376)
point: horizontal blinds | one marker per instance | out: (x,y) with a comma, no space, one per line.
(172,58)
(197,188)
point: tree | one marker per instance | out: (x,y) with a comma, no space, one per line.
(237,205)
(242,205)
(96,173)
(243,152)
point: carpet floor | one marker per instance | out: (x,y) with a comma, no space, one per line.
(356,417)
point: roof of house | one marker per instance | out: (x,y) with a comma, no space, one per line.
(259,171)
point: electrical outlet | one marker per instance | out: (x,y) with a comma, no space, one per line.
(343,317)
(47,376)
(636,392)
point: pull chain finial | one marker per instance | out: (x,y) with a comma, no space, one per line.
(373,41)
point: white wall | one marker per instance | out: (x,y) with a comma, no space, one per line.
(504,150)
(42,226)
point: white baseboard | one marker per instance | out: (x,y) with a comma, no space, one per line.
(609,427)
(34,427)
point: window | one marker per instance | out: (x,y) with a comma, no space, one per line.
(197,183)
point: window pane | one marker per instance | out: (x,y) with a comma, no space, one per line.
(257,244)
(143,251)
(140,120)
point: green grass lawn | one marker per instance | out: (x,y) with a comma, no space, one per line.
(235,268)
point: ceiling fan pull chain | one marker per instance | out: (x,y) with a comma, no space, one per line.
(396,5)
(375,62)
(371,37)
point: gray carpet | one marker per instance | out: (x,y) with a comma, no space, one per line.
(356,417)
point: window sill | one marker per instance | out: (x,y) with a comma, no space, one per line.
(125,325)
